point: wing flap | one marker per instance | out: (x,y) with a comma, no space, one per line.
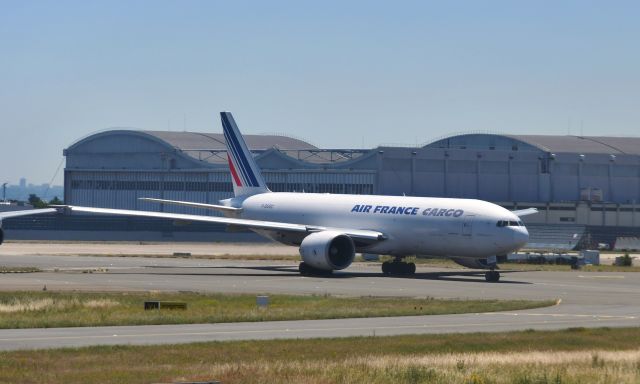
(26,212)
(194,205)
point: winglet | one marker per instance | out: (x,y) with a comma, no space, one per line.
(246,176)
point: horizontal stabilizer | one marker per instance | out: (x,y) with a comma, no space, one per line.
(525,212)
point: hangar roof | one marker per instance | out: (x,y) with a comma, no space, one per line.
(545,143)
(583,144)
(215,141)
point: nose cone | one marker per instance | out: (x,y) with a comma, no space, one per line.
(520,237)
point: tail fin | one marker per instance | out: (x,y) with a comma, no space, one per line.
(247,179)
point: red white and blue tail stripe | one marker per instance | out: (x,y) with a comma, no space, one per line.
(245,174)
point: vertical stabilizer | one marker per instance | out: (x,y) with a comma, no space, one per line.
(245,175)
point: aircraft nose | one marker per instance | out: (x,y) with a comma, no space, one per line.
(520,236)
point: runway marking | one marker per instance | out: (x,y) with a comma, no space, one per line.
(282,279)
(601,277)
(286,330)
(629,317)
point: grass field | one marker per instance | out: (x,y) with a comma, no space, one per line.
(74,309)
(571,356)
(4,269)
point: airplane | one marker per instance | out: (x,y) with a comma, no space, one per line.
(26,212)
(330,229)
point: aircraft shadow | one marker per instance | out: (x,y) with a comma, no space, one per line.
(290,271)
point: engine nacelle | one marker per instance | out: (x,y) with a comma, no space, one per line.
(328,250)
(1,235)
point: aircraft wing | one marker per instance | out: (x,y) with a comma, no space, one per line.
(222,208)
(26,212)
(525,212)
(361,234)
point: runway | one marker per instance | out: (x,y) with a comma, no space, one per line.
(541,319)
(587,299)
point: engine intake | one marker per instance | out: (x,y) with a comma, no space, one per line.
(328,250)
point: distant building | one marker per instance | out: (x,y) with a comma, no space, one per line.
(586,188)
(571,179)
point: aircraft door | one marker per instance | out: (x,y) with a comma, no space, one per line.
(467,225)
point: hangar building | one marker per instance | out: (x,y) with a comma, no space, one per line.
(572,179)
(586,188)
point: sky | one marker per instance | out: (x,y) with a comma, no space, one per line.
(339,74)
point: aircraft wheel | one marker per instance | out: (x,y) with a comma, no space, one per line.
(307,270)
(304,269)
(411,269)
(387,268)
(492,276)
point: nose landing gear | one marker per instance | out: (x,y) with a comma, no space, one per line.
(492,276)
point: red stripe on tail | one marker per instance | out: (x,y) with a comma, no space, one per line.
(233,172)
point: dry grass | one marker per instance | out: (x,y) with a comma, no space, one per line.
(571,356)
(74,309)
(52,304)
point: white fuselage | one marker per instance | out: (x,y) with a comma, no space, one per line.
(412,225)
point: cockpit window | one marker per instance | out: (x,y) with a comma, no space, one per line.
(509,223)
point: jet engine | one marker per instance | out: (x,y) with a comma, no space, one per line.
(327,250)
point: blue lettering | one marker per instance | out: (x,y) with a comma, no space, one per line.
(414,211)
(433,212)
(426,211)
(366,209)
(378,208)
(400,210)
(449,212)
(458,213)
(442,211)
(384,209)
(355,208)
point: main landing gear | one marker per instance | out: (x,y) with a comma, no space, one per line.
(398,268)
(492,276)
(307,270)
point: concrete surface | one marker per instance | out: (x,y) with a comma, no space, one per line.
(588,299)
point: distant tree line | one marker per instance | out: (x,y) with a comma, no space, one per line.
(37,202)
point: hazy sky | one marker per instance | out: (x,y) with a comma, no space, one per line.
(336,73)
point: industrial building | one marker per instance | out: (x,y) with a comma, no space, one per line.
(586,188)
(571,179)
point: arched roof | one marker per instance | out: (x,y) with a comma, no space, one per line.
(207,148)
(215,141)
(187,141)
(544,143)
